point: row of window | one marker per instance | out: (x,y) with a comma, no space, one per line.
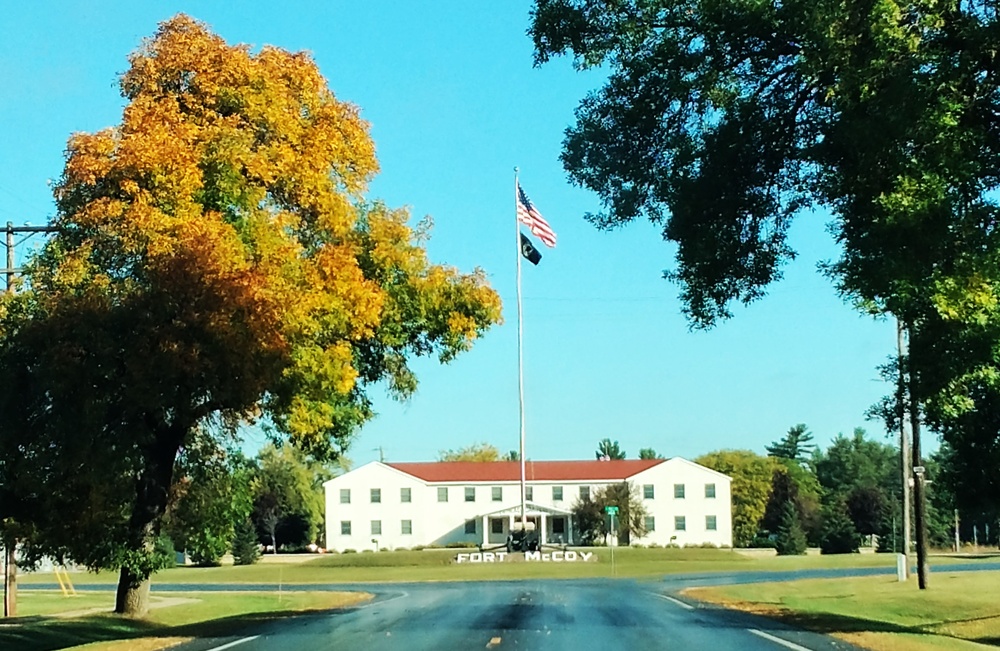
(496,493)
(496,526)
(680,523)
(405,527)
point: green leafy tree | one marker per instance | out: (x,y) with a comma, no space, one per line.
(752,481)
(790,539)
(210,494)
(608,449)
(867,506)
(649,453)
(722,122)
(512,455)
(796,445)
(854,461)
(288,496)
(216,259)
(594,524)
(475,452)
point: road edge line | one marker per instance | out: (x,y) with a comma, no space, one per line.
(778,640)
(675,601)
(229,645)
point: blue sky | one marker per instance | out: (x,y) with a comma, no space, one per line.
(454,104)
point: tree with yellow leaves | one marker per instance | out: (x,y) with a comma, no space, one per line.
(216,263)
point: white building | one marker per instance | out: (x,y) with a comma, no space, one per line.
(394,505)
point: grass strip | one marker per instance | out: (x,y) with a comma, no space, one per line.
(438,565)
(958,611)
(180,617)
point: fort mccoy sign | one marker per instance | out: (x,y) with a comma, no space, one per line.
(568,556)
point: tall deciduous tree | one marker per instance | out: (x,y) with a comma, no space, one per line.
(215,258)
(211,493)
(752,481)
(287,495)
(475,452)
(721,122)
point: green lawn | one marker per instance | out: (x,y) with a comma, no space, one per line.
(174,618)
(438,565)
(960,610)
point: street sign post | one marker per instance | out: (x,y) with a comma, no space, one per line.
(612,511)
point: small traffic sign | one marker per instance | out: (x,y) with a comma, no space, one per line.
(611,509)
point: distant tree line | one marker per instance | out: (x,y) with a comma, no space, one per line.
(839,498)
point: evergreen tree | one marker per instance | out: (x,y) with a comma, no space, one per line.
(245,548)
(796,445)
(791,539)
(839,535)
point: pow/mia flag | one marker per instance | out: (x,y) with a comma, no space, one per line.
(529,251)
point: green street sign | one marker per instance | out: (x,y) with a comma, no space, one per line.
(611,509)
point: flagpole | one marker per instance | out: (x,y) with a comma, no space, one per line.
(520,348)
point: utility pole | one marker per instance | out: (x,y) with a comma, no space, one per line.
(904,443)
(11,245)
(919,497)
(9,540)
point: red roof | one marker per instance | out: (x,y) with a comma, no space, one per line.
(492,471)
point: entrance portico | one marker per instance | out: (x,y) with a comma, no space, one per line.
(554,525)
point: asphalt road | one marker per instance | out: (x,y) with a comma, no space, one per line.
(535,615)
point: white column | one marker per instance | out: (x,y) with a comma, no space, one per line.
(569,530)
(486,533)
(541,533)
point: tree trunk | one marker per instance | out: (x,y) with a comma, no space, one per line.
(152,488)
(132,598)
(10,580)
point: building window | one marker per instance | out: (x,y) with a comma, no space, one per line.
(376,495)
(470,526)
(470,493)
(345,495)
(376,527)
(710,491)
(406,527)
(496,525)
(558,525)
(679,491)
(345,527)
(442,493)
(650,524)
(557,493)
(529,493)
(680,523)
(710,523)
(647,491)
(585,492)
(405,496)
(498,493)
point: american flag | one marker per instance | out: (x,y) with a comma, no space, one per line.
(528,215)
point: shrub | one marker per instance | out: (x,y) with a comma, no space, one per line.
(349,551)
(461,545)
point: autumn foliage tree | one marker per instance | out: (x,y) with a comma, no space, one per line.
(216,260)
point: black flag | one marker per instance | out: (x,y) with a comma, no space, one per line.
(529,251)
